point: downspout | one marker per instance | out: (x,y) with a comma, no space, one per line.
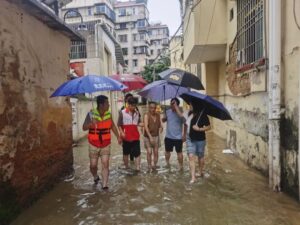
(274,84)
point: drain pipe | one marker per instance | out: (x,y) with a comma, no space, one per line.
(274,84)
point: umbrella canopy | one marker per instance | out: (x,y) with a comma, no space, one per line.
(212,107)
(161,90)
(133,82)
(88,84)
(182,78)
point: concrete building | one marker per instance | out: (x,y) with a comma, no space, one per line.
(176,53)
(35,130)
(235,43)
(100,54)
(159,40)
(132,21)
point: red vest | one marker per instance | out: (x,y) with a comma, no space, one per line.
(130,125)
(99,134)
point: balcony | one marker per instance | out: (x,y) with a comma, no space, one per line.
(205,34)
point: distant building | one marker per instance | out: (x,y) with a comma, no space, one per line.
(159,40)
(132,22)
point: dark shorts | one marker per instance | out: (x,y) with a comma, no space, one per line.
(171,143)
(133,148)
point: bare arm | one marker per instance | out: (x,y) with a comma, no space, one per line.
(88,122)
(146,126)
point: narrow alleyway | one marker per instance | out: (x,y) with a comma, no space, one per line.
(231,194)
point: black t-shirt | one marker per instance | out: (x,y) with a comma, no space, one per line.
(198,135)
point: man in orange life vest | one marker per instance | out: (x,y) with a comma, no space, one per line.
(99,123)
(129,120)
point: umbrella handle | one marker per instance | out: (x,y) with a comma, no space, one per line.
(200,116)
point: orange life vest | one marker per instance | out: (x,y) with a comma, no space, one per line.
(99,133)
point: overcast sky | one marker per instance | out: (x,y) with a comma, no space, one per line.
(166,11)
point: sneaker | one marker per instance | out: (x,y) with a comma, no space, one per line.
(96,180)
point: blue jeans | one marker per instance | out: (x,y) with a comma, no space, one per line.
(195,147)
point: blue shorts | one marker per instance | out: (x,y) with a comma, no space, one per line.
(195,147)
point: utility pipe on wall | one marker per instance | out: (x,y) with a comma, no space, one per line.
(274,84)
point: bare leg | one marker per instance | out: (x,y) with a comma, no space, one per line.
(149,157)
(180,160)
(201,166)
(192,168)
(125,160)
(155,156)
(167,156)
(138,163)
(94,165)
(105,169)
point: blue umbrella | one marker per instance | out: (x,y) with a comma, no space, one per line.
(88,84)
(161,90)
(211,106)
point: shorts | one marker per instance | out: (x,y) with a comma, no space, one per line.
(132,147)
(95,152)
(171,143)
(147,143)
(196,147)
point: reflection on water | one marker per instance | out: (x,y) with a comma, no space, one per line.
(230,193)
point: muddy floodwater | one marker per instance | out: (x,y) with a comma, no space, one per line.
(230,194)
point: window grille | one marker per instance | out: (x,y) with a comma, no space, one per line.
(250,19)
(78,50)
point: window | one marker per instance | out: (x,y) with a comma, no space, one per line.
(126,62)
(158,51)
(135,62)
(141,23)
(123,38)
(72,13)
(151,52)
(249,31)
(150,32)
(142,37)
(122,25)
(89,11)
(133,11)
(100,9)
(78,50)
(122,12)
(134,36)
(125,51)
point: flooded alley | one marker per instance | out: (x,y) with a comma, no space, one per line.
(230,193)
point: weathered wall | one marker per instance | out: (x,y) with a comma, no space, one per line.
(291,70)
(35,131)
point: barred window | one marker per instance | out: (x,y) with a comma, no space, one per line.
(250,19)
(78,50)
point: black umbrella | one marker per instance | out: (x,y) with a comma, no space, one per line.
(212,107)
(182,78)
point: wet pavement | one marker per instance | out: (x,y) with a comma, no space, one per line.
(230,194)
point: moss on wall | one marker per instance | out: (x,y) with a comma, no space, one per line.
(9,206)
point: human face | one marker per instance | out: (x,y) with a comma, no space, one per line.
(173,104)
(152,108)
(105,106)
(131,107)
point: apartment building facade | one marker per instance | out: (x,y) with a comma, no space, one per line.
(236,44)
(159,40)
(132,22)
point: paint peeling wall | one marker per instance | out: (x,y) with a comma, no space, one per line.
(35,131)
(291,70)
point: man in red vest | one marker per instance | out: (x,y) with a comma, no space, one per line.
(129,120)
(99,122)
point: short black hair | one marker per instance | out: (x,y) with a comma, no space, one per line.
(132,101)
(155,103)
(101,100)
(127,96)
(176,100)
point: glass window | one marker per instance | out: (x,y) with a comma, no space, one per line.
(122,12)
(125,51)
(123,38)
(135,62)
(122,25)
(89,11)
(100,9)
(141,23)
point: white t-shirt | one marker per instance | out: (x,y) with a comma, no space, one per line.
(188,119)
